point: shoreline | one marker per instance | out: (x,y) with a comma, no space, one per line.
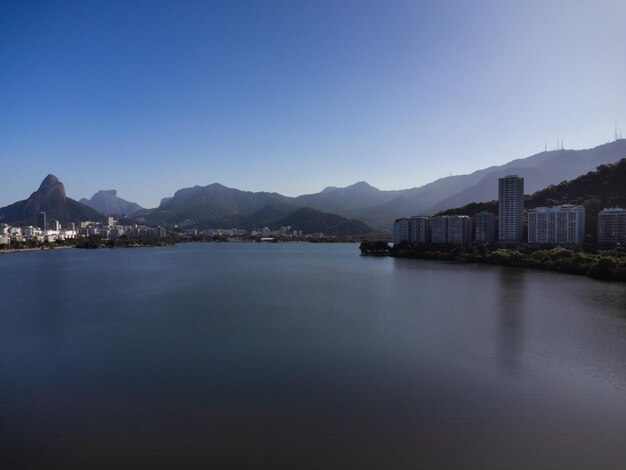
(605,264)
(41,248)
(598,268)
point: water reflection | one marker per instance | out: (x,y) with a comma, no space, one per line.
(510,312)
(50,269)
(305,356)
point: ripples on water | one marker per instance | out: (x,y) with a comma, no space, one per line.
(305,356)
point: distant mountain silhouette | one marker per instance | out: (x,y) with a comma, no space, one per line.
(108,203)
(51,199)
(165,200)
(380,208)
(210,206)
(216,206)
(539,171)
(351,200)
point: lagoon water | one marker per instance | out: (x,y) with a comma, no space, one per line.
(240,355)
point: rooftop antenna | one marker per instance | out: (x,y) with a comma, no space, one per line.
(615,130)
(545,146)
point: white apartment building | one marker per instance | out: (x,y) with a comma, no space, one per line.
(419,232)
(558,225)
(401,228)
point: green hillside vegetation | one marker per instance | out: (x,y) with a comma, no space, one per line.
(312,221)
(604,187)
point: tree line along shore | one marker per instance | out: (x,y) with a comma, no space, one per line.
(609,265)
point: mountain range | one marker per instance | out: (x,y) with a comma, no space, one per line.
(231,208)
(359,206)
(215,205)
(108,202)
(539,171)
(51,199)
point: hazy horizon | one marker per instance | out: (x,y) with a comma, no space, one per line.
(150,97)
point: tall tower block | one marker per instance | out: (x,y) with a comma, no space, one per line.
(41,221)
(510,210)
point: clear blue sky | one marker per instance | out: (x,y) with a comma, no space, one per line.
(148,97)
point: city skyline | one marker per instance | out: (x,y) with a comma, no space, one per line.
(151,97)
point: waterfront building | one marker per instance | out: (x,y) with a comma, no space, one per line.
(439,229)
(71,226)
(110,221)
(55,225)
(510,209)
(401,228)
(41,221)
(116,232)
(419,230)
(28,232)
(558,225)
(93,231)
(458,230)
(612,226)
(485,229)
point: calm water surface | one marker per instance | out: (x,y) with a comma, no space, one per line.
(305,356)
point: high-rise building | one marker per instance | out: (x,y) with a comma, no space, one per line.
(41,221)
(612,226)
(510,209)
(485,230)
(55,225)
(458,231)
(558,225)
(419,230)
(439,229)
(401,228)
(110,221)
